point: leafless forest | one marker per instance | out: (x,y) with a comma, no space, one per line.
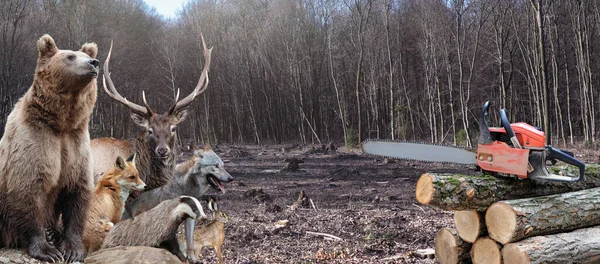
(328,70)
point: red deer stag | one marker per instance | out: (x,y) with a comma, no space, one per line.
(154,147)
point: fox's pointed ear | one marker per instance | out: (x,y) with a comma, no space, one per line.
(46,47)
(131,158)
(120,163)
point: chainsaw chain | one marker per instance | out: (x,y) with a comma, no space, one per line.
(422,143)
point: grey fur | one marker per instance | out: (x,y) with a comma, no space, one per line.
(156,227)
(192,182)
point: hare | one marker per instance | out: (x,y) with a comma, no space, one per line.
(211,234)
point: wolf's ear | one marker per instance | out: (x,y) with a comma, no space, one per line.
(91,49)
(46,46)
(207,148)
(198,152)
(120,163)
(131,158)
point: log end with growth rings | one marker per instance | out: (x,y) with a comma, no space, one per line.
(501,222)
(513,254)
(486,251)
(446,247)
(468,225)
(425,189)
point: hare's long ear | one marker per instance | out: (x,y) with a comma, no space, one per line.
(211,204)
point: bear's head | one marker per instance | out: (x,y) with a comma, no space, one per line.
(64,71)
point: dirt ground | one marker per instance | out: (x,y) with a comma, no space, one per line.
(367,203)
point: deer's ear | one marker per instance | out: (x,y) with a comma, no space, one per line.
(120,163)
(140,120)
(179,116)
(131,158)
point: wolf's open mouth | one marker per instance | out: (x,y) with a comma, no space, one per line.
(215,183)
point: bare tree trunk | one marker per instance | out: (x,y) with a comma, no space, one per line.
(538,6)
(391,68)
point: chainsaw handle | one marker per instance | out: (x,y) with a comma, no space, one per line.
(566,158)
(506,123)
(484,131)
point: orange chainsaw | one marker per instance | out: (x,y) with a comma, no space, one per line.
(517,150)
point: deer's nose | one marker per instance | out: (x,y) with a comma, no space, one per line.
(94,62)
(162,151)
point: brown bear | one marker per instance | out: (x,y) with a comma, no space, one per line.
(45,162)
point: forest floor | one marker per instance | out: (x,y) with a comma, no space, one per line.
(367,202)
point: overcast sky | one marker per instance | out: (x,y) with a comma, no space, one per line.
(167,8)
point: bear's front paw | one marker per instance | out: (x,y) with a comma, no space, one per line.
(43,251)
(72,251)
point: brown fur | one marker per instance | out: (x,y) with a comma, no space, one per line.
(45,154)
(96,235)
(108,200)
(153,172)
(211,235)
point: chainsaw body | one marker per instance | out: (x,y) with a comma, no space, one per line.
(520,149)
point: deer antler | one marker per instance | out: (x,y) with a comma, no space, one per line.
(202,83)
(116,95)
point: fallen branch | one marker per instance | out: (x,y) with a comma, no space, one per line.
(324,235)
(313,204)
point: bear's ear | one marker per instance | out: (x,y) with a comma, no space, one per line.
(46,46)
(91,49)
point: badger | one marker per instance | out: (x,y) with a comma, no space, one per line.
(157,227)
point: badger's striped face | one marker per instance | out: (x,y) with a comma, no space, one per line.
(189,207)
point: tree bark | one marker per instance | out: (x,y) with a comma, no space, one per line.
(513,220)
(579,246)
(469,225)
(449,248)
(486,251)
(462,192)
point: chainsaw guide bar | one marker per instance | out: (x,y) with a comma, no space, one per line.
(416,151)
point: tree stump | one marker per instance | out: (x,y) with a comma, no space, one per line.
(293,164)
(513,220)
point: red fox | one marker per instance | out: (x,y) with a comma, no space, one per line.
(109,200)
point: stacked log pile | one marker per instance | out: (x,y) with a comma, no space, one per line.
(505,220)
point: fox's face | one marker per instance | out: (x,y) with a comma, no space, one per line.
(127,175)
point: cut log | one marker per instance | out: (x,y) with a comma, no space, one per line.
(449,248)
(461,192)
(579,246)
(469,225)
(486,251)
(513,220)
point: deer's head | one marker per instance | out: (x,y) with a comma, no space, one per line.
(160,128)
